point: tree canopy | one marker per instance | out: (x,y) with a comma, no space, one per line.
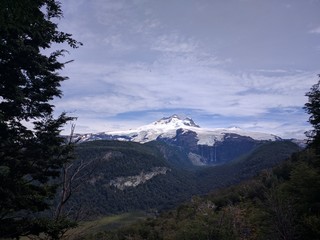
(312,107)
(32,151)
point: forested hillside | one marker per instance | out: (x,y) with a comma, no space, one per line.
(119,182)
(128,176)
(282,203)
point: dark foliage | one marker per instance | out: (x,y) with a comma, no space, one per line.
(312,107)
(247,166)
(29,80)
(282,203)
(114,159)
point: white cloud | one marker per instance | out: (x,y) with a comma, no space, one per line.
(138,57)
(147,26)
(174,43)
(116,42)
(173,83)
(284,130)
(315,30)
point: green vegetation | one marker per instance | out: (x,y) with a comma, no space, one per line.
(112,159)
(282,203)
(312,107)
(246,166)
(30,157)
(90,228)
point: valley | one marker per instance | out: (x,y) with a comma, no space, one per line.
(153,176)
(271,203)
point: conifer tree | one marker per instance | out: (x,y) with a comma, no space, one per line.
(31,149)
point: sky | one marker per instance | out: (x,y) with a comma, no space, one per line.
(224,63)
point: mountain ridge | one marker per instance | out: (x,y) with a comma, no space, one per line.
(204,146)
(166,127)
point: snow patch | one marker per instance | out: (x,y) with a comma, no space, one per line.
(167,128)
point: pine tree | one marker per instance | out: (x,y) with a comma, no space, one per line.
(30,157)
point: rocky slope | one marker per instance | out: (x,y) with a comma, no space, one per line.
(204,146)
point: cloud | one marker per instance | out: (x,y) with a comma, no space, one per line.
(147,26)
(174,43)
(180,83)
(116,42)
(283,129)
(142,57)
(133,16)
(315,30)
(257,101)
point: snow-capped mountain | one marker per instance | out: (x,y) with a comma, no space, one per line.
(204,146)
(167,128)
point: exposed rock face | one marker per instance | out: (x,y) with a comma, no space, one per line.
(133,181)
(176,121)
(111,155)
(195,159)
(204,146)
(184,138)
(231,146)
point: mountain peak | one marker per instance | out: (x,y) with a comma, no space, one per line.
(176,121)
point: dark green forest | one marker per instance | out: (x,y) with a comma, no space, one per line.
(112,159)
(282,203)
(32,150)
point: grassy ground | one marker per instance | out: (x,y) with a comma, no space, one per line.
(106,223)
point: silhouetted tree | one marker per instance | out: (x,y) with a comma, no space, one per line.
(31,149)
(312,107)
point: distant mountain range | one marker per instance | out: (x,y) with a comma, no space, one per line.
(167,128)
(159,165)
(204,146)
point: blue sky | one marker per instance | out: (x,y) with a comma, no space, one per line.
(245,63)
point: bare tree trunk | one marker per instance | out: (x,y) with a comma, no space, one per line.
(74,175)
